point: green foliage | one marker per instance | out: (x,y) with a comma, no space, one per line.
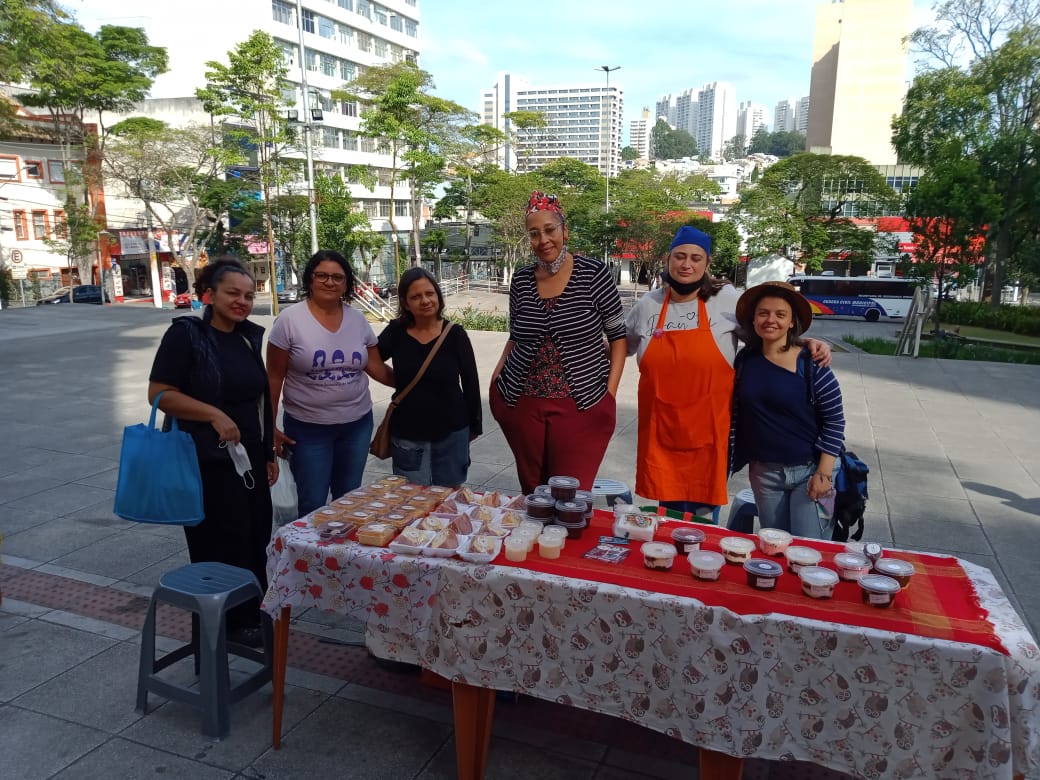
(629,153)
(1013,319)
(667,143)
(474,319)
(6,286)
(340,226)
(779,144)
(951,349)
(526,130)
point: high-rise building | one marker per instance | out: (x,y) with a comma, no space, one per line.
(639,134)
(717,118)
(785,116)
(750,117)
(582,121)
(801,111)
(858,77)
(687,112)
(665,109)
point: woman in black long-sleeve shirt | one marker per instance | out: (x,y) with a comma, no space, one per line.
(431,430)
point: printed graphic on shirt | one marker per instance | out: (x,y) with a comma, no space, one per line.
(335,369)
(673,320)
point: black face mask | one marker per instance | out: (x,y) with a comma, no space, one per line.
(682,289)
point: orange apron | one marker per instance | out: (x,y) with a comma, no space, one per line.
(685,388)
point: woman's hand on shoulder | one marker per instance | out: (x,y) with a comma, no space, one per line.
(820,352)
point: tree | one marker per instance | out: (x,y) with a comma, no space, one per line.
(800,204)
(669,144)
(341,226)
(473,152)
(502,198)
(629,153)
(178,167)
(986,110)
(736,147)
(526,129)
(25,26)
(782,143)
(252,88)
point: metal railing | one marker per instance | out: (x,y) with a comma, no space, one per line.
(368,301)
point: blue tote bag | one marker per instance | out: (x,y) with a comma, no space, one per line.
(159,479)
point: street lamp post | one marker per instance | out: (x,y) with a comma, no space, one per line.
(145,191)
(610,142)
(307,115)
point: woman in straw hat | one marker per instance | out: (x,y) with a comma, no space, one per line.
(789,420)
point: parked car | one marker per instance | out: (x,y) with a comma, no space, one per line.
(288,295)
(81,293)
(182,301)
(363,288)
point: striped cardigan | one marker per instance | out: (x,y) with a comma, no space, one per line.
(587,314)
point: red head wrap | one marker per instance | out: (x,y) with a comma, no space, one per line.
(539,201)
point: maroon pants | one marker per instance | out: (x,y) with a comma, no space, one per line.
(551,437)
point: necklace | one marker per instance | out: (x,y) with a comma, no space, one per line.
(555,265)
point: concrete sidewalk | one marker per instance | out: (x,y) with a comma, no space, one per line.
(950,445)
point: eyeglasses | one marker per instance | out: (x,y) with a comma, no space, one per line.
(548,232)
(321,276)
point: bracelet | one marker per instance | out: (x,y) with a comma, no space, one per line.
(825,476)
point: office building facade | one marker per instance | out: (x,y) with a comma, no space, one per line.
(750,117)
(716,118)
(639,134)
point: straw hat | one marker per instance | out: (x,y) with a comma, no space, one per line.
(799,305)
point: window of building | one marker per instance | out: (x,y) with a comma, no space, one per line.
(411,28)
(331,137)
(328,64)
(364,41)
(308,21)
(381,15)
(364,8)
(312,60)
(21,226)
(40,226)
(9,168)
(281,11)
(384,208)
(346,35)
(326,27)
(33,169)
(380,48)
(401,208)
(371,209)
(384,177)
(348,108)
(289,53)
(368,144)
(60,226)
(396,23)
(350,140)
(56,171)
(410,2)
(347,70)
(348,4)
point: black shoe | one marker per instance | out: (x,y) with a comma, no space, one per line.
(250,636)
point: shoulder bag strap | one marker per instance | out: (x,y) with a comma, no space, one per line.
(396,401)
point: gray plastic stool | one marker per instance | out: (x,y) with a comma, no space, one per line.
(611,490)
(208,590)
(742,512)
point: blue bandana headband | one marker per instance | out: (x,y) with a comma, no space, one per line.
(691,235)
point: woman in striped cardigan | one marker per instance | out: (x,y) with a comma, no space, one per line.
(553,389)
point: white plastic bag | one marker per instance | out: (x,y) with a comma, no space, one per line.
(283,495)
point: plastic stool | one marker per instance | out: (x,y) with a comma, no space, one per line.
(611,490)
(208,590)
(742,512)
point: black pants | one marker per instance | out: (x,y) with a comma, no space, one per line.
(237,527)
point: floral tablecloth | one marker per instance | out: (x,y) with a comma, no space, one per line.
(867,702)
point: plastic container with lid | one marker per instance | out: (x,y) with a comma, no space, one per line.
(899,570)
(589,499)
(549,546)
(571,511)
(574,530)
(851,566)
(658,555)
(798,556)
(773,541)
(762,574)
(737,549)
(706,564)
(563,488)
(854,547)
(556,532)
(543,490)
(687,539)
(878,590)
(516,548)
(818,582)
(540,507)
(635,525)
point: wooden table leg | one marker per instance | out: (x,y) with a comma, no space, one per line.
(719,766)
(474,710)
(281,657)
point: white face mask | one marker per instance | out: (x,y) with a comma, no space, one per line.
(240,458)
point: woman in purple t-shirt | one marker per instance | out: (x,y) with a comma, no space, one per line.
(319,357)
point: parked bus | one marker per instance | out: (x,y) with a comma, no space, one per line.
(856,296)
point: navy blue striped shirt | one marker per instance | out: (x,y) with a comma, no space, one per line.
(586,316)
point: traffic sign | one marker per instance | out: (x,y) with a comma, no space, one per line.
(16,256)
(19,272)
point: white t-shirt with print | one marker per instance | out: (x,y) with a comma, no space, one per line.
(722,318)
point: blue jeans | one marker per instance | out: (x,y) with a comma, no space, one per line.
(444,462)
(327,457)
(783,502)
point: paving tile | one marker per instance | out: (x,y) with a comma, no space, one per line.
(15,520)
(37,651)
(74,574)
(61,499)
(121,556)
(939,535)
(620,764)
(53,539)
(936,508)
(408,705)
(135,760)
(13,488)
(35,746)
(148,577)
(512,760)
(73,468)
(376,743)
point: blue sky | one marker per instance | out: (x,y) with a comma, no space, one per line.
(763,47)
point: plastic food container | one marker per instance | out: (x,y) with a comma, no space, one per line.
(543,490)
(899,570)
(326,515)
(480,549)
(737,549)
(687,539)
(658,555)
(412,541)
(851,566)
(571,511)
(589,500)
(635,525)
(706,564)
(773,541)
(854,547)
(798,557)
(376,534)
(550,546)
(556,532)
(540,507)
(878,590)
(563,488)
(818,582)
(574,530)
(762,574)
(516,548)
(529,537)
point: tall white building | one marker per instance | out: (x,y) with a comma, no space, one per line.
(639,134)
(687,112)
(716,118)
(750,117)
(785,116)
(801,122)
(665,109)
(583,121)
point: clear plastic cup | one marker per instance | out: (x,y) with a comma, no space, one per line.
(516,548)
(549,546)
(556,532)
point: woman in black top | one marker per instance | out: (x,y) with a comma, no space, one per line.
(431,430)
(214,383)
